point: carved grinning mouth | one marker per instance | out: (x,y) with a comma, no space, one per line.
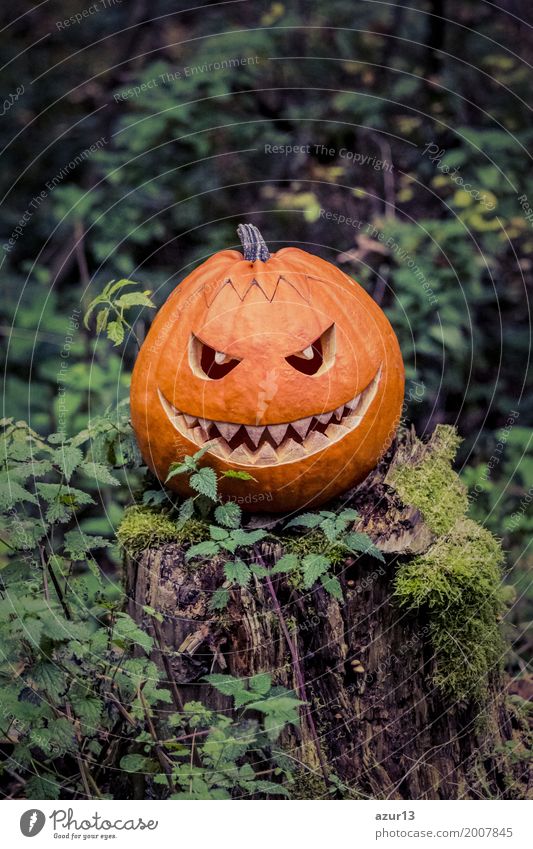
(271,445)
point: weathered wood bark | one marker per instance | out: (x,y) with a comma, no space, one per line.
(384,729)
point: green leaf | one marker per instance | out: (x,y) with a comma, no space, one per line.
(136,763)
(186,511)
(218,533)
(68,458)
(135,299)
(246,538)
(313,566)
(332,586)
(78,544)
(49,677)
(102,317)
(12,493)
(237,572)
(276,704)
(228,685)
(204,481)
(208,548)
(261,683)
(41,787)
(229,514)
(177,469)
(115,332)
(362,542)
(219,599)
(271,788)
(98,472)
(236,474)
(286,564)
(306,520)
(127,629)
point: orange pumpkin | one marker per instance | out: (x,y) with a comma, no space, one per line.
(282,363)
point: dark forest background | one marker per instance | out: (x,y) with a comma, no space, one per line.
(135,139)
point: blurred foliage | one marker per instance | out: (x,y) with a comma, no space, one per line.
(134,142)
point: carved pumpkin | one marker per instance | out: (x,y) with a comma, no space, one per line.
(282,363)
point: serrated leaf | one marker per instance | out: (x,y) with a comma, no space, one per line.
(332,586)
(362,542)
(228,685)
(126,628)
(286,564)
(246,538)
(219,600)
(102,317)
(313,566)
(186,511)
(208,548)
(237,572)
(49,677)
(40,787)
(115,332)
(229,514)
(204,481)
(217,533)
(68,458)
(177,469)
(12,493)
(136,763)
(135,299)
(236,474)
(78,544)
(306,520)
(98,472)
(261,683)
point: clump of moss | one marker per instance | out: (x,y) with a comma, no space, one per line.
(458,582)
(306,784)
(432,486)
(143,527)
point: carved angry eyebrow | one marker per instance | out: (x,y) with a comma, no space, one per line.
(269,288)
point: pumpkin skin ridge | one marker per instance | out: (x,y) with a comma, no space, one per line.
(366,338)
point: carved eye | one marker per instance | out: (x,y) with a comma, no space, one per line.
(208,362)
(318,356)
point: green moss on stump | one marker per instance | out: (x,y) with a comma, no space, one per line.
(432,486)
(144,527)
(458,581)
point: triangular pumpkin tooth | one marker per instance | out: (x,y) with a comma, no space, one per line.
(255,433)
(291,450)
(227,430)
(301,426)
(335,431)
(266,455)
(242,455)
(353,403)
(339,412)
(324,418)
(277,432)
(190,421)
(315,441)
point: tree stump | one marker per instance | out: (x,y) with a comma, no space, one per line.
(374,667)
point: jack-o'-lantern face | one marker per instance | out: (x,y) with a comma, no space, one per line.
(283,365)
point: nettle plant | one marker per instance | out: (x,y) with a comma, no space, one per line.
(74,702)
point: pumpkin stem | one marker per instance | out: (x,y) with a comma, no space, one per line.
(254,246)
